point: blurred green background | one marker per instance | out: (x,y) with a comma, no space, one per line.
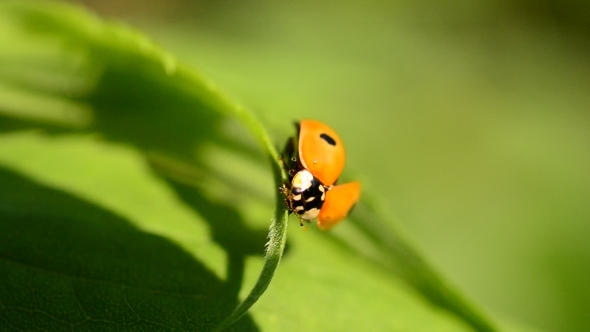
(470,118)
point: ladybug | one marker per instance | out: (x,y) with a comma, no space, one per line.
(315,160)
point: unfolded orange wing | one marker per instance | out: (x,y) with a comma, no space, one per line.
(338,203)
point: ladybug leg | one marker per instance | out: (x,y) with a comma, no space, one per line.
(301,222)
(288,203)
(283,189)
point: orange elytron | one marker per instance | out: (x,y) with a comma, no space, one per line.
(315,164)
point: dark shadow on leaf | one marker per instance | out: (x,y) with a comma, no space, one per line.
(68,264)
(133,99)
(227,228)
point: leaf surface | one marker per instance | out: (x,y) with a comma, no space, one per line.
(136,197)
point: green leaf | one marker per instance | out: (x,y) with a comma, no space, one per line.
(135,196)
(95,77)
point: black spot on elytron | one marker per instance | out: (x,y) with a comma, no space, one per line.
(328,139)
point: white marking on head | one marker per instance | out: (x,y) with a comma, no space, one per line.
(302,180)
